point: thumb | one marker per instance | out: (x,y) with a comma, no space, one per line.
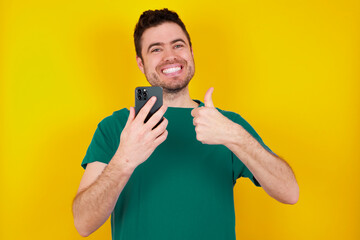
(131,116)
(208,100)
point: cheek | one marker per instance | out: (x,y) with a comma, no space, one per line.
(188,57)
(152,63)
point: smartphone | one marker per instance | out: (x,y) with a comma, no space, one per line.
(143,94)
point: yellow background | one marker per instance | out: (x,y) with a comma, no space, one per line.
(290,68)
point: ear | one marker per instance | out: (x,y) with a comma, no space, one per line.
(140,64)
(192,53)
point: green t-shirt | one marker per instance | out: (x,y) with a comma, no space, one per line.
(184,190)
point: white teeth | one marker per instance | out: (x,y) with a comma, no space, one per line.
(171,70)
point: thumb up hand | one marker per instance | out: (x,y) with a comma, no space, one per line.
(211,126)
(208,98)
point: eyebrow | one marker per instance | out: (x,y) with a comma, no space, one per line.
(161,44)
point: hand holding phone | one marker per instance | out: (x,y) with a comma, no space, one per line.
(138,139)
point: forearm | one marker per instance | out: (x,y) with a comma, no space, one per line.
(274,174)
(93,206)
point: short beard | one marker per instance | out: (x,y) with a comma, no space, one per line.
(155,81)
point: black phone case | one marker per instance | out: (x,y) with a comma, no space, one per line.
(143,94)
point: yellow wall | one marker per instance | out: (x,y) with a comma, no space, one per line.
(290,68)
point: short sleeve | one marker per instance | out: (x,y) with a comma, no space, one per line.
(239,169)
(106,139)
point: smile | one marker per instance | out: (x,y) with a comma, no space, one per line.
(171,70)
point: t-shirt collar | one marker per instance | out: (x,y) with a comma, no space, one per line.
(201,104)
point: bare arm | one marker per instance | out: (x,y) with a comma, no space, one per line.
(102,184)
(94,203)
(274,174)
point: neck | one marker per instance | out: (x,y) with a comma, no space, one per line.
(180,99)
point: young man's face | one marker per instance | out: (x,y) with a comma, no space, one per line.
(167,57)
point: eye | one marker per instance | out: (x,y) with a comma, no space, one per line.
(155,50)
(178,46)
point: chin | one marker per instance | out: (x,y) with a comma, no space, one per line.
(174,89)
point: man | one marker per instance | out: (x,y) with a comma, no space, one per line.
(174,181)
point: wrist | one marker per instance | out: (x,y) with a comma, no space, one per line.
(123,163)
(236,138)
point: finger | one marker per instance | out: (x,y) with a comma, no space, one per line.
(160,129)
(208,98)
(194,122)
(161,138)
(154,119)
(144,111)
(131,116)
(195,111)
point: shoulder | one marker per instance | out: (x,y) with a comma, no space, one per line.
(229,114)
(241,121)
(115,121)
(106,138)
(237,118)
(121,115)
(117,116)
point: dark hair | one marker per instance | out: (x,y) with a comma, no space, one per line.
(153,18)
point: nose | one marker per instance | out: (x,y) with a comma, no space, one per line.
(169,55)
